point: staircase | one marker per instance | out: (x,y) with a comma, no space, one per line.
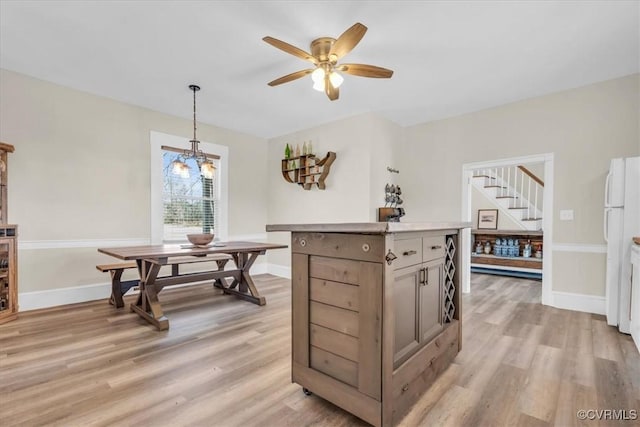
(515,191)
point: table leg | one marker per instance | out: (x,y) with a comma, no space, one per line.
(243,284)
(218,283)
(237,258)
(148,306)
(244,261)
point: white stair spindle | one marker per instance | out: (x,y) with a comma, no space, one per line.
(535,205)
(508,180)
(529,199)
(521,189)
(502,181)
(515,184)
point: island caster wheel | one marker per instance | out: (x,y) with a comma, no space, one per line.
(306,391)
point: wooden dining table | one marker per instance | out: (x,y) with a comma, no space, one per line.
(151,258)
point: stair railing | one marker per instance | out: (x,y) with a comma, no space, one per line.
(508,179)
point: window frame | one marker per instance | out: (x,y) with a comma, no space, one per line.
(157,140)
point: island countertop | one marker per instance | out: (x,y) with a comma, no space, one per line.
(369,227)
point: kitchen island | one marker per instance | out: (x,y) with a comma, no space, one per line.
(376,313)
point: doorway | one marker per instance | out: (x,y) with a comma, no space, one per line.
(547,216)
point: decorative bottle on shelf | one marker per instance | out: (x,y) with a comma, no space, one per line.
(297,153)
(304,148)
(309,148)
(287,152)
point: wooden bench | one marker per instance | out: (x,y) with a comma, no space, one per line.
(119,288)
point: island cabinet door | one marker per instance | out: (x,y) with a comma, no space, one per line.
(406,290)
(337,324)
(430,306)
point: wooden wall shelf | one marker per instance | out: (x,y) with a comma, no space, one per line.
(307,170)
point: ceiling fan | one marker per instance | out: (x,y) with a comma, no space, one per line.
(325,53)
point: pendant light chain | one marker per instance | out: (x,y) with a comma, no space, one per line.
(207,168)
(195,88)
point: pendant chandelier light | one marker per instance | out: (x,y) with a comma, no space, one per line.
(179,165)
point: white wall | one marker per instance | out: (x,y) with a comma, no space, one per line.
(480,201)
(385,138)
(364,146)
(584,127)
(80,177)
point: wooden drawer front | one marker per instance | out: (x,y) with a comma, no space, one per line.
(338,319)
(335,366)
(338,343)
(432,248)
(414,377)
(415,389)
(409,252)
(335,293)
(361,247)
(424,358)
(336,270)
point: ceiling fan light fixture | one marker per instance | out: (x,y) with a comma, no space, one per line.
(319,85)
(336,79)
(318,76)
(326,52)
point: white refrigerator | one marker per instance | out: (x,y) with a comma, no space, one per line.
(621,224)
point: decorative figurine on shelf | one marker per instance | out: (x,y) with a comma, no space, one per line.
(478,248)
(487,247)
(538,253)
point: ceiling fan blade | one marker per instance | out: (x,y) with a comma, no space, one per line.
(348,40)
(332,92)
(290,77)
(364,70)
(290,49)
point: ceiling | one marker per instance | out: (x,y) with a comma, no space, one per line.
(449,58)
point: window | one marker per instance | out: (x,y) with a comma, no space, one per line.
(189,204)
(181,206)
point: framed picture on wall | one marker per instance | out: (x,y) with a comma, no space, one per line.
(487,219)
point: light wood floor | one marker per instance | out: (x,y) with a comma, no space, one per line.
(225,362)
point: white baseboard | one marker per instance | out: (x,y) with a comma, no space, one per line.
(61,296)
(579,302)
(53,297)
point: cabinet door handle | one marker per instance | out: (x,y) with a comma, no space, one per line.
(422,276)
(409,253)
(426,276)
(433,248)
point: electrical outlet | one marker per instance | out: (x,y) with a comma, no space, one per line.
(566,215)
